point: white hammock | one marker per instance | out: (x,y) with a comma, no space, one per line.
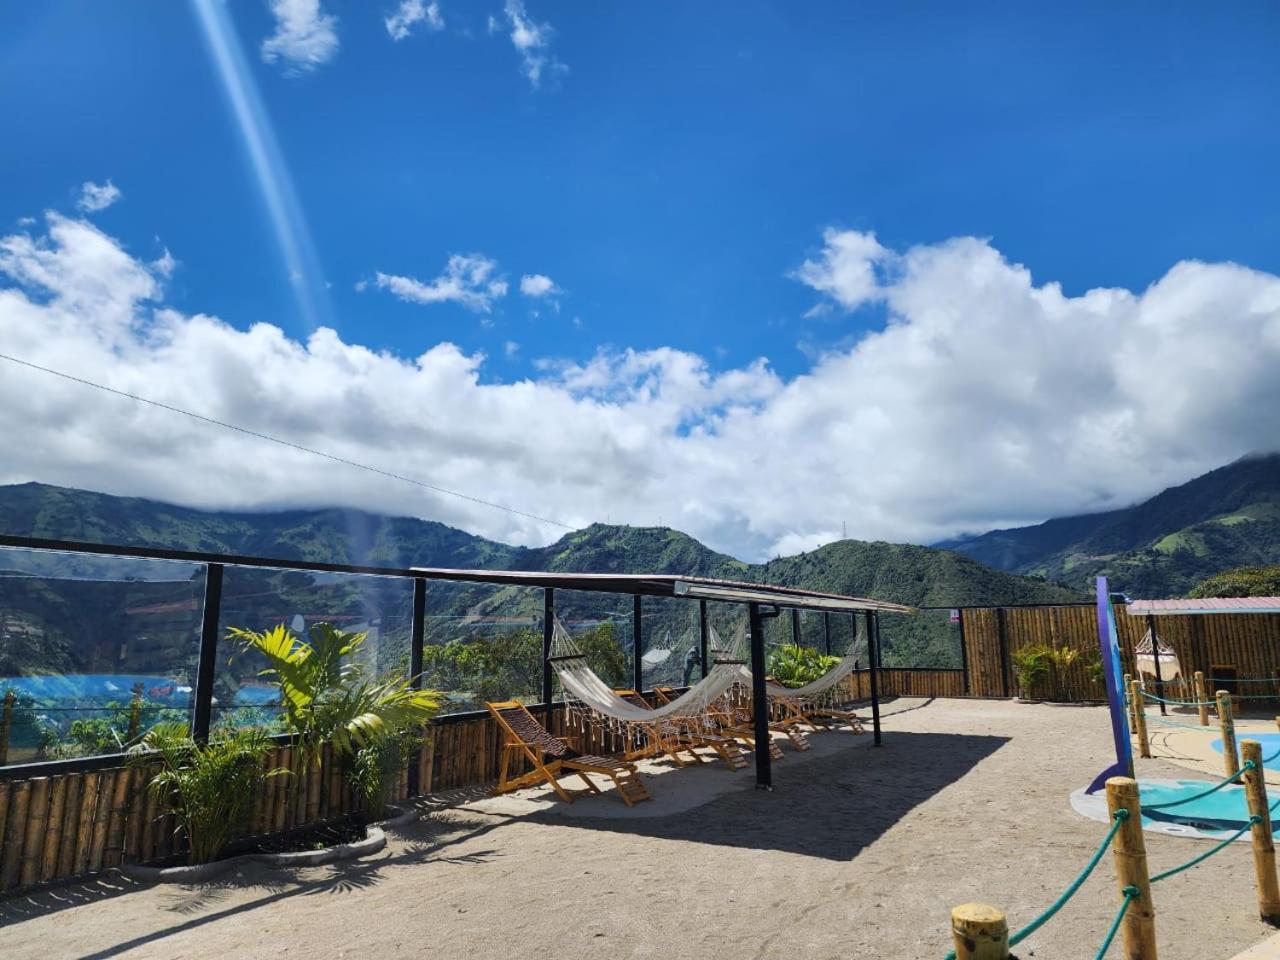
(582,683)
(816,687)
(1145,652)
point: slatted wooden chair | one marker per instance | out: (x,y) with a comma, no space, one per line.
(552,757)
(728,719)
(658,740)
(687,735)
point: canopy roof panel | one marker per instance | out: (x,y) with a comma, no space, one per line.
(670,585)
(1158,608)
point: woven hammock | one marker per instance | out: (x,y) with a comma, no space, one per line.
(1145,652)
(584,685)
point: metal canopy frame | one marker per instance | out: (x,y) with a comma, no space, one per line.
(763,601)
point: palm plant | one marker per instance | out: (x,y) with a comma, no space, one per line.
(209,787)
(327,697)
(794,666)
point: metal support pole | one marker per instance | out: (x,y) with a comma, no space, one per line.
(964,655)
(637,646)
(797,635)
(417,636)
(417,632)
(873,656)
(203,707)
(826,632)
(704,636)
(548,633)
(760,699)
(1155,655)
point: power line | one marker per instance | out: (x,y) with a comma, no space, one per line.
(287,443)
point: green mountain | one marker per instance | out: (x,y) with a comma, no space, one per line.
(1227,518)
(69,615)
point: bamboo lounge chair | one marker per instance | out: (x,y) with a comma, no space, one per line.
(687,737)
(729,719)
(552,757)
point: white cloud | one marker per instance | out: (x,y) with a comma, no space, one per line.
(532,41)
(95,197)
(305,36)
(846,269)
(470,280)
(410,12)
(985,400)
(537,285)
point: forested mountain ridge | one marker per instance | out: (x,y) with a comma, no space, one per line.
(898,572)
(1229,517)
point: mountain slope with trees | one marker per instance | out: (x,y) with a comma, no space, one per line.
(1227,518)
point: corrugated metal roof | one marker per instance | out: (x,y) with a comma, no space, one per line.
(1208,605)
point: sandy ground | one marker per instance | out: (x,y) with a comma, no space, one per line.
(857,853)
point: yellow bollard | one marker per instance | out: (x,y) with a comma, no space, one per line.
(1139,925)
(1228,728)
(980,932)
(1139,718)
(1201,698)
(1264,850)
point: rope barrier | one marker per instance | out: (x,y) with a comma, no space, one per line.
(1179,703)
(1130,895)
(1165,721)
(1048,913)
(1248,765)
(1209,853)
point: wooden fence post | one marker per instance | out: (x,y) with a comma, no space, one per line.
(1139,717)
(1128,689)
(1201,698)
(1139,925)
(980,932)
(1228,728)
(1264,851)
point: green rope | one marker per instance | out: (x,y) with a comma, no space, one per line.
(1165,721)
(1120,816)
(1130,895)
(1179,703)
(1248,765)
(1209,853)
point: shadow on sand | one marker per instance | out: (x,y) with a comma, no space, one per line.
(830,806)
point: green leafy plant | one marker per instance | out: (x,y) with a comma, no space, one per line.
(327,697)
(794,666)
(210,787)
(1041,670)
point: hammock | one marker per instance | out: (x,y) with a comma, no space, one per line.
(1145,652)
(582,683)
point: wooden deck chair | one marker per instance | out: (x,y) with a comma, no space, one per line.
(552,757)
(728,721)
(689,734)
(661,739)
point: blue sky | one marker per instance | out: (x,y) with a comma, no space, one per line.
(686,160)
(671,172)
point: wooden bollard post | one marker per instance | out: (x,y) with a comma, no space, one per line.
(6,725)
(1227,725)
(980,932)
(1139,925)
(1201,698)
(1264,850)
(1139,718)
(1128,693)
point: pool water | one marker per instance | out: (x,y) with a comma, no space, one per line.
(1270,744)
(1225,809)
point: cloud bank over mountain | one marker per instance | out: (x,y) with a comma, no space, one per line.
(984,399)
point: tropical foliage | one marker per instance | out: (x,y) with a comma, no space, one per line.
(210,787)
(328,696)
(1042,670)
(794,666)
